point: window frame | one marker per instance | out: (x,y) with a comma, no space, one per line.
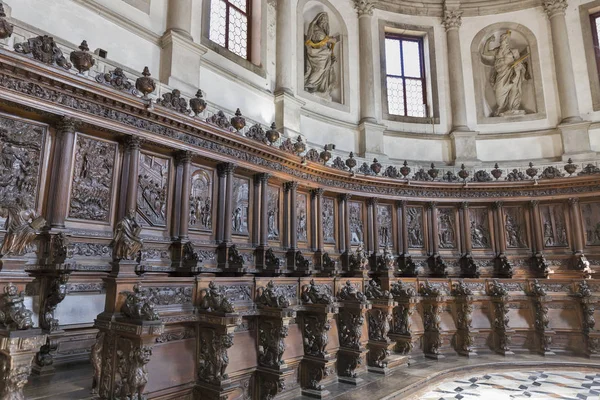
(247,14)
(419,40)
(596,39)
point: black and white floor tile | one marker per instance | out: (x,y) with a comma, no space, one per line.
(519,385)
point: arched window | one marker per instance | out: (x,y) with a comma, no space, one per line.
(229,25)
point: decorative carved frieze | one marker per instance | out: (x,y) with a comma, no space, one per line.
(93,175)
(45,50)
(174,101)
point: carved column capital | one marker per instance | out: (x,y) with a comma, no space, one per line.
(431,205)
(464,205)
(288,186)
(372,201)
(534,204)
(345,197)
(452,19)
(401,204)
(132,143)
(262,177)
(225,169)
(184,157)
(498,205)
(317,193)
(364,7)
(573,201)
(66,125)
(555,7)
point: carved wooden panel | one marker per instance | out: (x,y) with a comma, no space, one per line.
(554,227)
(591,218)
(328,220)
(414,222)
(241,206)
(301,217)
(273,212)
(201,199)
(355,212)
(384,223)
(514,228)
(447,231)
(93,176)
(20,161)
(153,183)
(480,228)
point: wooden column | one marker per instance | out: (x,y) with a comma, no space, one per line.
(370,243)
(342,209)
(264,208)
(468,241)
(291,189)
(185,160)
(435,240)
(578,242)
(65,133)
(538,240)
(225,173)
(375,238)
(256,211)
(133,148)
(316,196)
(499,225)
(403,226)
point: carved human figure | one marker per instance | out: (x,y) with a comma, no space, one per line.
(478,235)
(237,220)
(22,226)
(138,372)
(319,65)
(96,360)
(509,71)
(14,314)
(127,243)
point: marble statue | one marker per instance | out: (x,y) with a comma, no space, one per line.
(509,71)
(319,69)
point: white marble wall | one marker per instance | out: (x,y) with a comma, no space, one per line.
(133,39)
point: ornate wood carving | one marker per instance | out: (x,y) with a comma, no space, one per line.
(215,300)
(414,222)
(591,218)
(273,213)
(480,229)
(93,175)
(241,204)
(201,200)
(301,218)
(272,296)
(554,227)
(117,80)
(137,306)
(328,219)
(447,232)
(44,49)
(271,343)
(315,332)
(316,294)
(501,320)
(514,226)
(15,315)
(355,211)
(152,189)
(174,101)
(127,243)
(384,224)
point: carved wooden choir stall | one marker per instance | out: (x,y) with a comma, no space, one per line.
(242,265)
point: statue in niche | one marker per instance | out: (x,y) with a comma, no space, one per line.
(446,229)
(319,62)
(509,70)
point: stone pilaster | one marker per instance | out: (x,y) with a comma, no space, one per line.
(575,136)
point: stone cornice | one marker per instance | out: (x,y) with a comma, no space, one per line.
(471,8)
(52,92)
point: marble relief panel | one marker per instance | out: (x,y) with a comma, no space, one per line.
(328,220)
(273,212)
(355,212)
(301,217)
(20,161)
(384,223)
(241,206)
(201,199)
(414,222)
(591,218)
(93,176)
(554,227)
(153,184)
(514,228)
(447,228)
(480,228)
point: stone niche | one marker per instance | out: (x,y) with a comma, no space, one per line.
(323,49)
(513,93)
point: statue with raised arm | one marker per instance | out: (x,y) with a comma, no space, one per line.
(509,71)
(319,71)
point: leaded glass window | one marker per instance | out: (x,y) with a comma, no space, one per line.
(405,76)
(229,25)
(595,19)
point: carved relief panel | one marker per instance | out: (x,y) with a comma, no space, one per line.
(384,223)
(241,206)
(153,184)
(201,199)
(514,228)
(414,222)
(554,227)
(447,232)
(273,212)
(328,220)
(93,177)
(480,228)
(20,161)
(591,217)
(355,212)
(301,217)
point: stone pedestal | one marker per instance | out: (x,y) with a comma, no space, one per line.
(287,113)
(576,141)
(17,350)
(180,61)
(464,145)
(370,141)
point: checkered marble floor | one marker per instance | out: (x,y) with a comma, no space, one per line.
(519,385)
